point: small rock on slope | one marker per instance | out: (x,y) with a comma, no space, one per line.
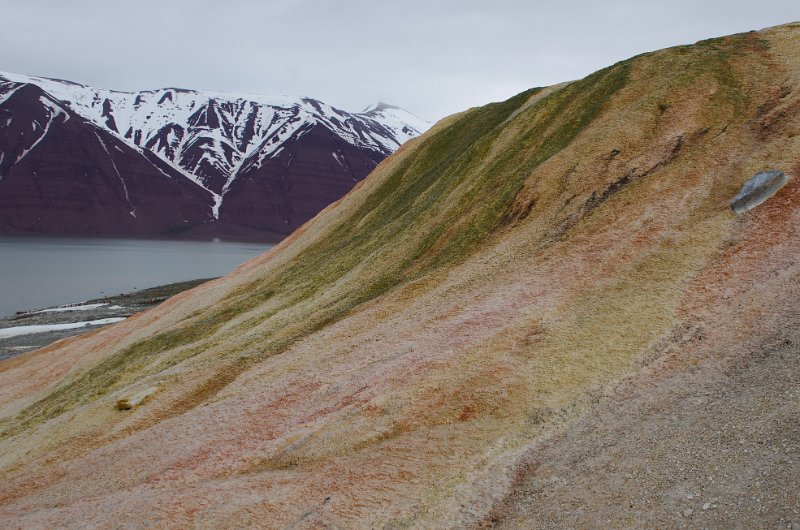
(758,189)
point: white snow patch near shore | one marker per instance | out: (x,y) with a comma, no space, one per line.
(84,307)
(16,331)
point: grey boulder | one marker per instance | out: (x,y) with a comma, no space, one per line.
(758,189)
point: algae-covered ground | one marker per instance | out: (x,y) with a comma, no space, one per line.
(404,358)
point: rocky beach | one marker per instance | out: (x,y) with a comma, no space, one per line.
(30,329)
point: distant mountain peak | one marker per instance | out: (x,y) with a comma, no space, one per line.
(379,106)
(208,135)
(221,141)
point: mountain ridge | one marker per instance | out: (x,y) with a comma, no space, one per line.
(215,139)
(203,109)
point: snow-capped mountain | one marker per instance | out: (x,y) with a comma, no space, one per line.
(267,162)
(61,173)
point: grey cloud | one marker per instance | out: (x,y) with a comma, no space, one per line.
(431,57)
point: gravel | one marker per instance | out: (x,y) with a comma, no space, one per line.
(713,447)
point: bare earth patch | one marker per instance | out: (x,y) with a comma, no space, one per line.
(713,447)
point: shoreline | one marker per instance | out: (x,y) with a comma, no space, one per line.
(252,237)
(29,330)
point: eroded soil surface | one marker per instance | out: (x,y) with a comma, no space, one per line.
(716,447)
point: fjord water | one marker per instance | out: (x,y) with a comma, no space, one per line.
(41,272)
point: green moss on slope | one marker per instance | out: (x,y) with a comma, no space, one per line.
(444,185)
(442,202)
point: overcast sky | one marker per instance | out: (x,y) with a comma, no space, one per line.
(431,57)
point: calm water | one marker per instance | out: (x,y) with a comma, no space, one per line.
(43,272)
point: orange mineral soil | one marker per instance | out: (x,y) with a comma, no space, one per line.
(506,308)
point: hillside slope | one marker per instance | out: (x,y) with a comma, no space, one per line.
(518,273)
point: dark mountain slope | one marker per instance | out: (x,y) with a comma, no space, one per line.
(310,173)
(220,142)
(61,174)
(229,142)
